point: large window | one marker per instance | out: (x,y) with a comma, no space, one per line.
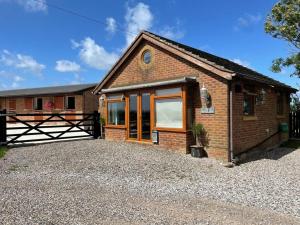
(169,108)
(168,113)
(38,103)
(116,113)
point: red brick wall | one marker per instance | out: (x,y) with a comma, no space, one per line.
(174,141)
(115,134)
(248,133)
(85,103)
(169,66)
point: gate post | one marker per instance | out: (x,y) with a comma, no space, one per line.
(96,119)
(3,132)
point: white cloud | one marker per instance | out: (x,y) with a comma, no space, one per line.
(247,20)
(77,79)
(241,62)
(23,62)
(172,32)
(18,78)
(95,55)
(65,66)
(15,85)
(111,25)
(30,5)
(75,44)
(12,80)
(137,19)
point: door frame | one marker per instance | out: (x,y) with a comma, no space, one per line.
(139,94)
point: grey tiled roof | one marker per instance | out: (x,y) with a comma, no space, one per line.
(223,63)
(46,90)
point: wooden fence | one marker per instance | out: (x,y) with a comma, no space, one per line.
(294,126)
(21,128)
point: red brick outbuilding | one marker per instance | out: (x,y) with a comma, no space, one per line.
(159,88)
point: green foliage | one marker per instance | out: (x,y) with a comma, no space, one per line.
(295,102)
(3,151)
(197,129)
(284,23)
(102,120)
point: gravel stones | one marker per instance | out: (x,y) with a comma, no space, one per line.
(103,182)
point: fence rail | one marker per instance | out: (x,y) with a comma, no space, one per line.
(294,127)
(14,128)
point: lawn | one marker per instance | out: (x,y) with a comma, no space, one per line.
(3,151)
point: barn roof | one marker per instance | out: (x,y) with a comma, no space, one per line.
(47,90)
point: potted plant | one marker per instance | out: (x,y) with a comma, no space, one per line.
(198,149)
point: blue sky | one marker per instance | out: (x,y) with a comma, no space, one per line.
(43,46)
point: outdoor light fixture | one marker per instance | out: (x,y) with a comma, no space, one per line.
(102,99)
(205,97)
(206,101)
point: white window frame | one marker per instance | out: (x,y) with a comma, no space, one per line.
(66,101)
(35,104)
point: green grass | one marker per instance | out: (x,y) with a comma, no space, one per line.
(3,151)
(291,144)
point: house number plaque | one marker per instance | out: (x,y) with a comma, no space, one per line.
(210,110)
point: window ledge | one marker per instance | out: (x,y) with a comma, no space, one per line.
(280,116)
(179,130)
(249,118)
(115,126)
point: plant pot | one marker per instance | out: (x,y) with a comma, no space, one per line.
(197,151)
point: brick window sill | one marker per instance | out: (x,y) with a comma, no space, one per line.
(249,118)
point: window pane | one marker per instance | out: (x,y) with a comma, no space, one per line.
(133,123)
(116,113)
(146,128)
(71,103)
(168,113)
(248,105)
(38,104)
(169,91)
(147,57)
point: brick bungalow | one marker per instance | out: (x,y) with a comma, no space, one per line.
(155,87)
(68,99)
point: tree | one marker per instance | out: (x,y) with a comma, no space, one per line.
(284,23)
(295,102)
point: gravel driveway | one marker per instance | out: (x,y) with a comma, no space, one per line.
(102,182)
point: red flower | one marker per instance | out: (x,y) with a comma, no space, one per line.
(49,105)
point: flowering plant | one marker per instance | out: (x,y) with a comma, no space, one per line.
(49,105)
